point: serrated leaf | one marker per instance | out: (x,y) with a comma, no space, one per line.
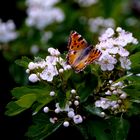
(26,101)
(134,79)
(38,90)
(133,91)
(24,61)
(135,66)
(93,110)
(134,109)
(119,128)
(83,130)
(42,127)
(135,58)
(13,109)
(27,95)
(99,129)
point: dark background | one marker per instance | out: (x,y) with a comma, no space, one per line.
(15,127)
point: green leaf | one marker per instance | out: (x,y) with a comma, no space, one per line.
(119,128)
(134,79)
(42,127)
(99,129)
(39,90)
(87,87)
(83,130)
(134,109)
(27,95)
(133,91)
(26,101)
(135,59)
(24,61)
(13,109)
(93,110)
(61,96)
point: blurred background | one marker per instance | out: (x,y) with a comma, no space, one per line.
(30,27)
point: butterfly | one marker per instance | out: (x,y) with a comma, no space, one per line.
(80,53)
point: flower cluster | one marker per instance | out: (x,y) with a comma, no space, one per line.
(46,69)
(115,99)
(7,31)
(86,3)
(70,110)
(99,24)
(42,13)
(112,47)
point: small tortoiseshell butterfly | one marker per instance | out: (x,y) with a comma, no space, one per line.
(80,54)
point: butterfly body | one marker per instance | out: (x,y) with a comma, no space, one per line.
(80,54)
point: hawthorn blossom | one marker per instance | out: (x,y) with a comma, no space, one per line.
(46,109)
(115,105)
(33,78)
(77,119)
(46,69)
(113,48)
(100,24)
(125,63)
(42,13)
(7,31)
(66,123)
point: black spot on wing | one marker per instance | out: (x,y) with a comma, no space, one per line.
(80,38)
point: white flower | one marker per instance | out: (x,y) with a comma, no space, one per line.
(61,70)
(99,24)
(51,60)
(42,13)
(123,95)
(57,110)
(125,63)
(27,71)
(32,66)
(53,52)
(34,49)
(71,114)
(7,31)
(108,33)
(123,52)
(76,103)
(66,108)
(113,46)
(102,114)
(33,78)
(107,62)
(53,120)
(124,38)
(119,29)
(46,36)
(66,123)
(46,109)
(108,92)
(73,91)
(103,103)
(42,2)
(77,119)
(77,97)
(48,73)
(52,93)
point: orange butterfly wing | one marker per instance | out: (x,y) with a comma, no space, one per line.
(80,54)
(76,44)
(88,59)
